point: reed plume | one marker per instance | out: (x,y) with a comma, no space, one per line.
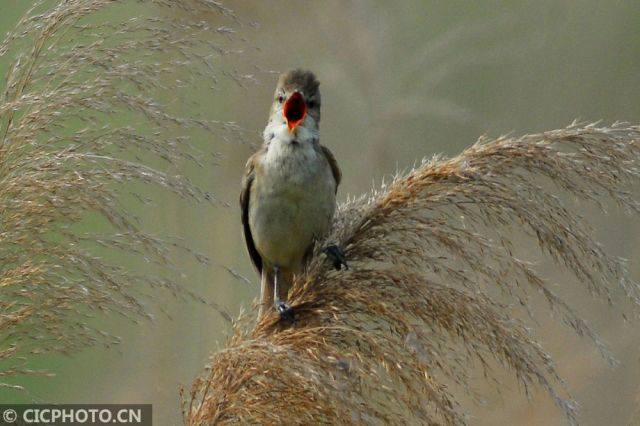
(434,287)
(83,127)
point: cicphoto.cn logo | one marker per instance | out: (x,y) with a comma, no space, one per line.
(49,414)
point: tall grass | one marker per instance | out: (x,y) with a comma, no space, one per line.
(433,289)
(84,122)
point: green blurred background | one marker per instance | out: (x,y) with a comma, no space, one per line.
(400,81)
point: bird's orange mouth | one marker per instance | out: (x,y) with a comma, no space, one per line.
(295,111)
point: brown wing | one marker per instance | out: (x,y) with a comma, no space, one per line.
(337,174)
(245,193)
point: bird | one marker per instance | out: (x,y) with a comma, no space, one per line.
(288,195)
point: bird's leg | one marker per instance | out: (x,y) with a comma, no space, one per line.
(266,291)
(336,255)
(284,310)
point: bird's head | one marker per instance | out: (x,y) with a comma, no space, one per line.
(297,100)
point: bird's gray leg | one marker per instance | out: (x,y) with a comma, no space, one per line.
(276,286)
(337,257)
(284,310)
(266,291)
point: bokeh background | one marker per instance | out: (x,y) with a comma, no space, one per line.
(400,81)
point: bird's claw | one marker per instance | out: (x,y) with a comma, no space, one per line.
(285,311)
(336,255)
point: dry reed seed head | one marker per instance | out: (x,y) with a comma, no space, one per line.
(433,288)
(82,114)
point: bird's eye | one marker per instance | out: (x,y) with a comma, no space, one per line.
(311,104)
(280,99)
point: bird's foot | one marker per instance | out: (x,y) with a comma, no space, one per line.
(336,255)
(285,311)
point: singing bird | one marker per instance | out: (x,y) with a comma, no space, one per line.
(289,187)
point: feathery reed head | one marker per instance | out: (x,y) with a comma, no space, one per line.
(433,287)
(81,123)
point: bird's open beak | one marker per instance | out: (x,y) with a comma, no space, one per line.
(295,110)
